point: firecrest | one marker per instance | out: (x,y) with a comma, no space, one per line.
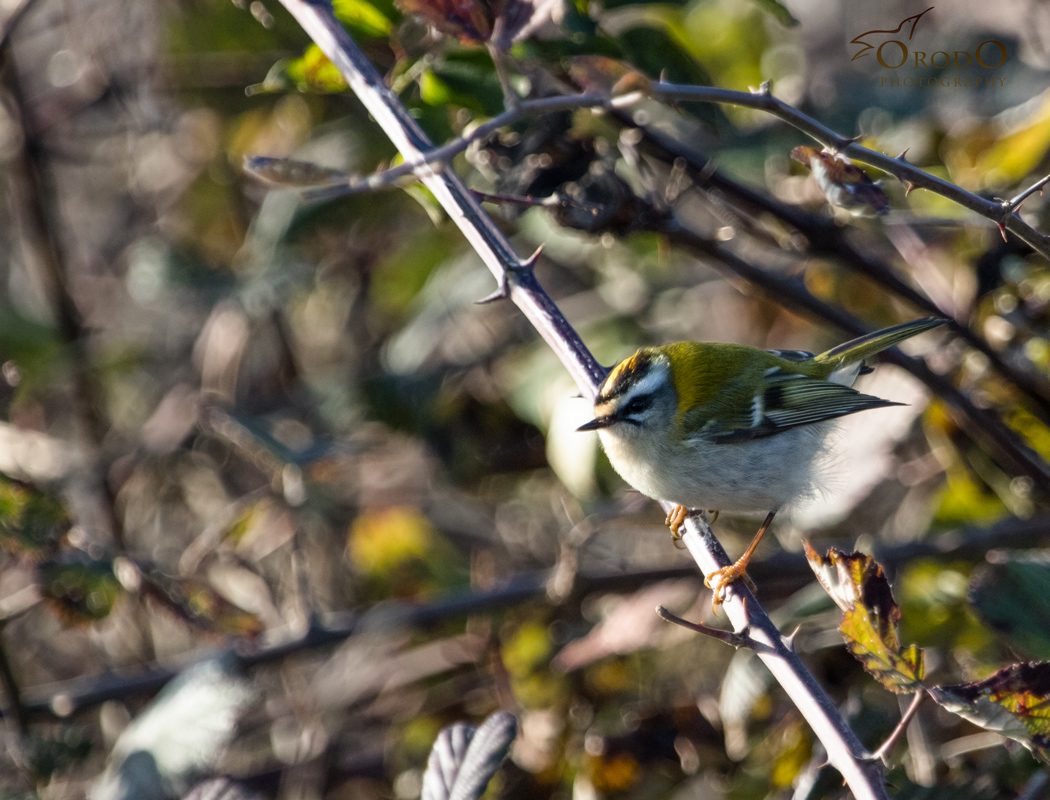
(732,428)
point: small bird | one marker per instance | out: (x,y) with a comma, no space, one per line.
(843,183)
(732,428)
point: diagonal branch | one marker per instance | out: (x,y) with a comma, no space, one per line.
(515,276)
(517,281)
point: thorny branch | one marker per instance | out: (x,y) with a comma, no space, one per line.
(763,100)
(1010,206)
(442,154)
(732,638)
(517,281)
(1001,213)
(829,239)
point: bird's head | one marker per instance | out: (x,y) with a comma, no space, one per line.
(638,396)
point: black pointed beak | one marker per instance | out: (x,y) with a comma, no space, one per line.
(596,423)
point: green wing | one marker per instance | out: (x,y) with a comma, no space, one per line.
(788,400)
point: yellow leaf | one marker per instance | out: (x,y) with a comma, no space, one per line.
(381,539)
(366,19)
(1016,154)
(871,618)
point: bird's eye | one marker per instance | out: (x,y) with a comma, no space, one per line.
(638,405)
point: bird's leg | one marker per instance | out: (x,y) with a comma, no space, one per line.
(675,517)
(718,580)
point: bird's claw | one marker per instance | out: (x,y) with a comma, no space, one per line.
(675,517)
(718,580)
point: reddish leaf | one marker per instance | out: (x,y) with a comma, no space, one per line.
(1014,702)
(843,183)
(467,20)
(500,22)
(871,618)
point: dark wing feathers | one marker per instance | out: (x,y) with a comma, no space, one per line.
(790,400)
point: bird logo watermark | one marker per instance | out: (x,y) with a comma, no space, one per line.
(894,49)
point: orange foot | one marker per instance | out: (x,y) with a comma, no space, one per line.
(675,517)
(718,580)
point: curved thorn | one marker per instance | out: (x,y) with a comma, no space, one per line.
(530,262)
(501,292)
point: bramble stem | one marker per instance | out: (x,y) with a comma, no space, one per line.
(845,751)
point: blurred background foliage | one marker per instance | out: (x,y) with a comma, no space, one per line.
(233,419)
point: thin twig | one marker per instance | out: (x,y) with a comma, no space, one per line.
(761,100)
(1015,203)
(902,726)
(511,99)
(732,638)
(433,156)
(517,281)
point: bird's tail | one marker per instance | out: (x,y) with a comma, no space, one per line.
(872,343)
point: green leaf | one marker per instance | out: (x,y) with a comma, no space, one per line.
(314,72)
(362,18)
(871,618)
(1011,594)
(32,522)
(79,589)
(1013,702)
